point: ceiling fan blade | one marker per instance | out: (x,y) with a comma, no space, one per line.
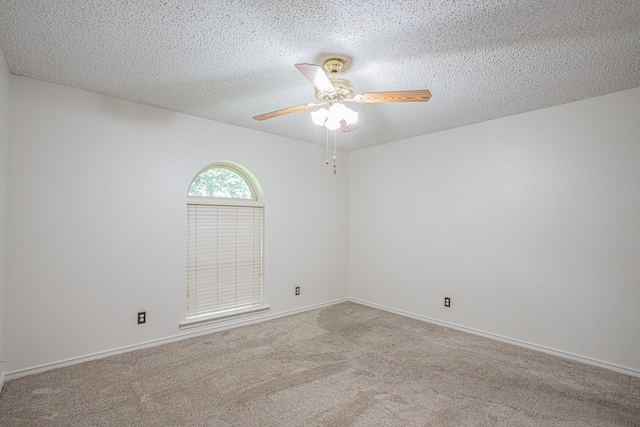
(347,128)
(316,76)
(284,111)
(400,96)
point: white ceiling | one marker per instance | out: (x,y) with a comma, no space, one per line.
(228,60)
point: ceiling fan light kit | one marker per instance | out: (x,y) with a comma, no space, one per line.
(331,117)
(333,92)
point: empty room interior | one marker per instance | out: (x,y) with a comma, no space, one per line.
(485,186)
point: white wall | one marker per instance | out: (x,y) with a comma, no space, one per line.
(531,224)
(4,144)
(97,220)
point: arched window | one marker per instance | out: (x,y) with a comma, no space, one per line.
(224,244)
(221,180)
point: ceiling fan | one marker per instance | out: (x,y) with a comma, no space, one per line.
(332,92)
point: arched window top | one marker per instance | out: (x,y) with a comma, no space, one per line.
(227,180)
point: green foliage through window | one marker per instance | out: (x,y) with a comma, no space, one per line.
(220,182)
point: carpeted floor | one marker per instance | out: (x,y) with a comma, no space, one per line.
(345,365)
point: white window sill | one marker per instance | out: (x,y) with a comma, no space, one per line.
(195,321)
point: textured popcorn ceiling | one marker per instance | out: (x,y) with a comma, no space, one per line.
(231,60)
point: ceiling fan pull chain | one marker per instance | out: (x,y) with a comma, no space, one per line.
(334,152)
(327,144)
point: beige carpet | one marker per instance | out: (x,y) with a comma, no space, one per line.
(346,365)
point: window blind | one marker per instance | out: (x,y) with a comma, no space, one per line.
(224,258)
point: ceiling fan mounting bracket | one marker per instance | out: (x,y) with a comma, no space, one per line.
(333,65)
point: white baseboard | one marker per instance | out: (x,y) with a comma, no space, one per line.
(244,321)
(611,366)
(7,376)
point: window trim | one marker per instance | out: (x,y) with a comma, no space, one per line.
(222,201)
(205,319)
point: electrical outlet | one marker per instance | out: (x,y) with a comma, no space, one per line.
(447,302)
(142,317)
(297,290)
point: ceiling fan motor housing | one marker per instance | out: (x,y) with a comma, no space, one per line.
(343,92)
